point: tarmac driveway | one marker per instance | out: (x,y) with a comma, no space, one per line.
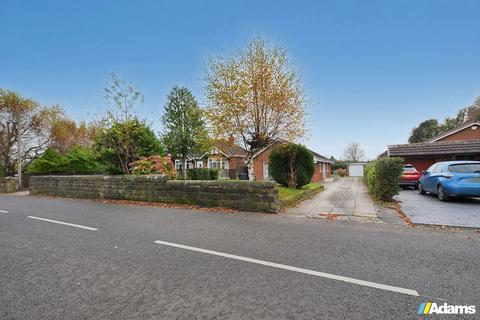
(427,209)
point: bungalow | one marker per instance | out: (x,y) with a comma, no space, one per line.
(259,162)
(461,143)
(224,155)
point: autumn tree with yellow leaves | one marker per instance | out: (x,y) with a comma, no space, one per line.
(255,96)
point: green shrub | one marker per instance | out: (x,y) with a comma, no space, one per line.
(370,176)
(341,172)
(50,161)
(81,160)
(202,174)
(77,161)
(121,143)
(291,165)
(387,176)
(382,177)
(339,164)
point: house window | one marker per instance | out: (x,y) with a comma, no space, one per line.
(225,164)
(217,164)
(213,164)
(199,164)
(178,165)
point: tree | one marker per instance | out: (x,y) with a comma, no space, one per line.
(121,137)
(353,152)
(255,96)
(66,135)
(121,143)
(183,125)
(425,131)
(291,165)
(122,98)
(429,129)
(25,119)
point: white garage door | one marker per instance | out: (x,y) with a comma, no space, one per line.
(355,170)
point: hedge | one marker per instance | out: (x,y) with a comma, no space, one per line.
(77,161)
(382,177)
(202,174)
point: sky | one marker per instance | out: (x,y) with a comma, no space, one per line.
(372,70)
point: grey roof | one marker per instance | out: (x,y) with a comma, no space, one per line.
(319,156)
(435,148)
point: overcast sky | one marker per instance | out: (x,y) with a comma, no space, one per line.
(372,70)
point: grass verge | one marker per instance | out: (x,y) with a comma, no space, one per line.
(291,197)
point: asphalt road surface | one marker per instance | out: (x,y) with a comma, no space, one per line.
(427,209)
(79,259)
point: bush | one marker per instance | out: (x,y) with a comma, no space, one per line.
(291,165)
(121,143)
(77,161)
(153,165)
(202,174)
(341,172)
(2,171)
(382,177)
(50,161)
(81,160)
(338,164)
(370,176)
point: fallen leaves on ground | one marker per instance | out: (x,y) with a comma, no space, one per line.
(166,205)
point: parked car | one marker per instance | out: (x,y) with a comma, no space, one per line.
(451,179)
(410,176)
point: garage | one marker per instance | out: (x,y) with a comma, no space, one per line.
(356,169)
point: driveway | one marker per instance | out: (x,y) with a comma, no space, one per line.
(344,196)
(427,209)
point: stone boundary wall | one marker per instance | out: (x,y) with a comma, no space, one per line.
(242,195)
(8,184)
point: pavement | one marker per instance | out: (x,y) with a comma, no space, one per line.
(427,209)
(343,197)
(81,259)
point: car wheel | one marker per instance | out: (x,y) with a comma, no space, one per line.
(420,189)
(442,194)
(415,186)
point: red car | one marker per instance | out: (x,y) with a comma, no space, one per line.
(410,176)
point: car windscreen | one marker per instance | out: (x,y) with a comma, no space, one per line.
(409,169)
(465,167)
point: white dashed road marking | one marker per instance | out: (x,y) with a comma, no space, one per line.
(295,269)
(64,223)
(3,211)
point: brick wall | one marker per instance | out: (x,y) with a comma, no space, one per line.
(8,184)
(465,134)
(241,195)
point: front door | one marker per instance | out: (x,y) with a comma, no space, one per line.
(265,171)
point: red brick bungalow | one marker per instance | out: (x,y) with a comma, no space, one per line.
(260,162)
(461,143)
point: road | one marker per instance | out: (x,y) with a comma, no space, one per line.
(92,260)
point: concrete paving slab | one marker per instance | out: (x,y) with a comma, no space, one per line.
(344,196)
